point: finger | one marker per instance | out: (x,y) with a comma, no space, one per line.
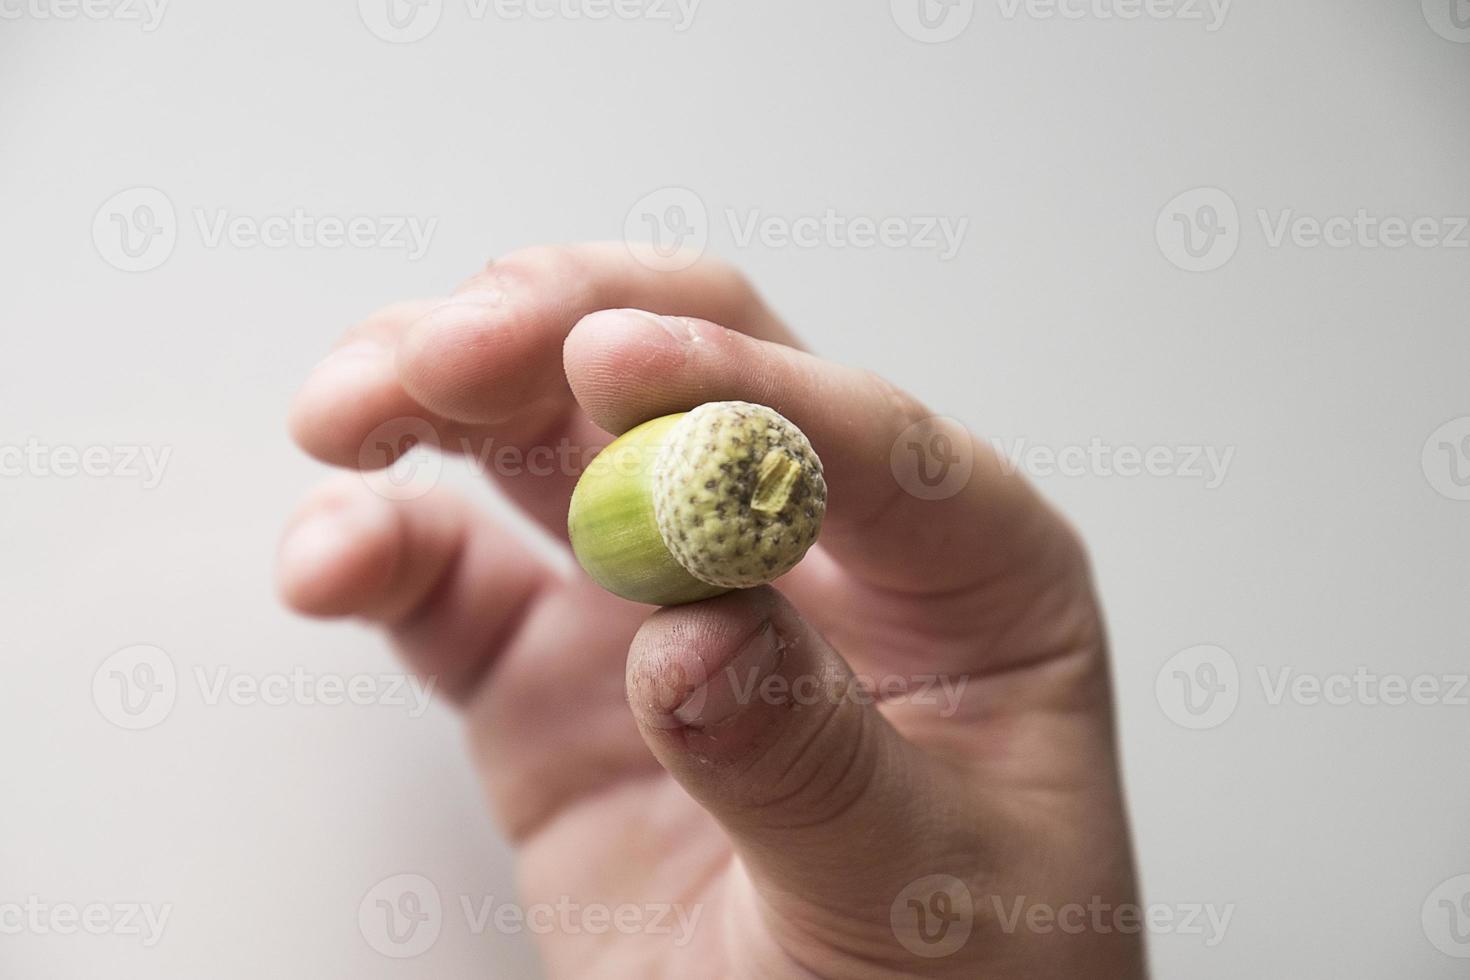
(450,585)
(625,367)
(480,372)
(353,411)
(496,346)
(532,660)
(829,809)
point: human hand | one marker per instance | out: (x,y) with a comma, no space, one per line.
(721,756)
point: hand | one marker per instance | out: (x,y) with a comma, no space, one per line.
(722,757)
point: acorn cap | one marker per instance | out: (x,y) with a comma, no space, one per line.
(738,494)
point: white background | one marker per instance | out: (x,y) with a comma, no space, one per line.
(1062,319)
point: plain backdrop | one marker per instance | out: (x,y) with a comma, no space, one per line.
(1336,541)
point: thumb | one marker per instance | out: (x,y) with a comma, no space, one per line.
(830,810)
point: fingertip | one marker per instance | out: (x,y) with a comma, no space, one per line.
(681,657)
(338,551)
(470,360)
(352,386)
(623,364)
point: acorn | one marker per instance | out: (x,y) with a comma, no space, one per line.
(727,496)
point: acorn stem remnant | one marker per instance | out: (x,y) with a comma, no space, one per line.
(727,496)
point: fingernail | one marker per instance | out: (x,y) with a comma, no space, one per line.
(734,685)
(678,327)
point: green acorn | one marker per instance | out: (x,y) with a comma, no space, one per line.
(688,506)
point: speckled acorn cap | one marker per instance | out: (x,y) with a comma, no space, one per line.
(738,494)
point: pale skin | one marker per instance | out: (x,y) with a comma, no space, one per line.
(793,822)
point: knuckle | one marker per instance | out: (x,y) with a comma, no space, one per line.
(903,407)
(822,775)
